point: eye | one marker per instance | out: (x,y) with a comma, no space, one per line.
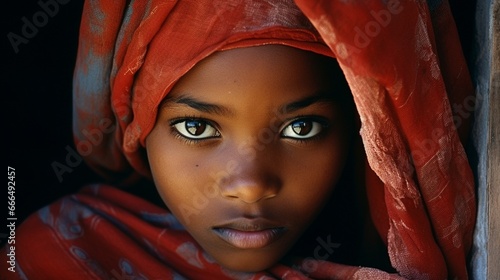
(196,129)
(302,129)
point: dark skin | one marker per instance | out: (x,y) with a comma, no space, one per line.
(246,150)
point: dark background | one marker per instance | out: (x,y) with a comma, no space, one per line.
(37,83)
(37,88)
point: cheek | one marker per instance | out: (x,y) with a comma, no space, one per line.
(174,173)
(313,175)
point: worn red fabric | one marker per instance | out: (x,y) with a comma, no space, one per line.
(404,65)
(406,71)
(130,56)
(106,233)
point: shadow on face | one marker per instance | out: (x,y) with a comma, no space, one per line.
(247,148)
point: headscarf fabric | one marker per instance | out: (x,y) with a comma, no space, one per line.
(405,68)
(130,56)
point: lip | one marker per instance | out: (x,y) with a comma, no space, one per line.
(249,234)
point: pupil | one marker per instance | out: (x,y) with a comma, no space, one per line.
(302,127)
(195,127)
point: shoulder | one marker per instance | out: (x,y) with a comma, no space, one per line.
(43,243)
(80,236)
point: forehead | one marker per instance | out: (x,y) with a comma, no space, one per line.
(277,72)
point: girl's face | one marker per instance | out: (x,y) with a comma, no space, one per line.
(246,150)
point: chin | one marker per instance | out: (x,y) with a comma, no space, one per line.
(247,267)
(248,263)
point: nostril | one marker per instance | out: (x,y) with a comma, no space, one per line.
(249,193)
(252,182)
(259,199)
(269,196)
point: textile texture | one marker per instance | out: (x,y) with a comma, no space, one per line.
(405,68)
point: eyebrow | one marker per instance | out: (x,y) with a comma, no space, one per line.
(319,97)
(198,105)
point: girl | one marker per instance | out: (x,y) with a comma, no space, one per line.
(239,114)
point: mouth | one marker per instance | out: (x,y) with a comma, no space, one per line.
(249,234)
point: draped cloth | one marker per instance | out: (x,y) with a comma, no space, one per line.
(408,77)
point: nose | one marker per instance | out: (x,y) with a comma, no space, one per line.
(252,180)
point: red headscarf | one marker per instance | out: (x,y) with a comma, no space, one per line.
(404,66)
(131,55)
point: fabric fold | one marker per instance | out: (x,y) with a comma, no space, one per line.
(103,232)
(402,90)
(405,68)
(123,80)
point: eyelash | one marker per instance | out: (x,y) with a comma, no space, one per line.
(193,141)
(323,122)
(190,141)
